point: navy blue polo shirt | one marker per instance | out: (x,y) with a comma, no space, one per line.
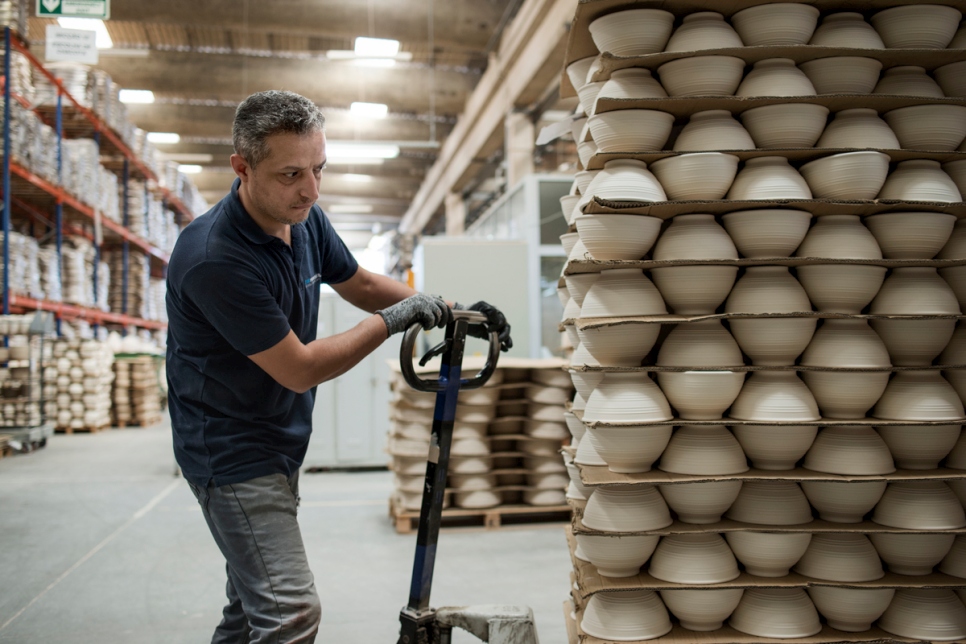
(233,291)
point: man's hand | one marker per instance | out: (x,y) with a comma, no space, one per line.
(428,310)
(495,321)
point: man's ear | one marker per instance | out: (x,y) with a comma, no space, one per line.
(241,167)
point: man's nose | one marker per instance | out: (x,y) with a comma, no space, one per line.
(310,187)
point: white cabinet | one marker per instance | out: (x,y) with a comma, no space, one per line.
(351,417)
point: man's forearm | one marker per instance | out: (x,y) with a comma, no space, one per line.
(332,356)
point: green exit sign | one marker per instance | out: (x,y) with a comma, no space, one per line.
(74,9)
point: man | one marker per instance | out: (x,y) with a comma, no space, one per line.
(243,360)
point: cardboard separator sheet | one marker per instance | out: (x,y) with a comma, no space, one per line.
(583,266)
(598,475)
(796,156)
(816,526)
(590,582)
(594,323)
(752,369)
(818,207)
(930,59)
(581,45)
(728,635)
(822,422)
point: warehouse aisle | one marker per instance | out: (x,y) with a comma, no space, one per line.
(99,542)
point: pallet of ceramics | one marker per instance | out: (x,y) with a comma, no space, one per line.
(406,521)
(581,45)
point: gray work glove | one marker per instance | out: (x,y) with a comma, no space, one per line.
(429,310)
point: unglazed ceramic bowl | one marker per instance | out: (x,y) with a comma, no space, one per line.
(713,130)
(702,75)
(920,26)
(769,232)
(782,23)
(847,176)
(908,80)
(632,32)
(699,176)
(842,558)
(849,450)
(919,505)
(768,554)
(912,554)
(625,616)
(846,29)
(617,556)
(911,235)
(701,503)
(632,508)
(843,74)
(618,236)
(703,450)
(781,613)
(630,130)
(702,610)
(693,559)
(785,125)
(928,127)
(630,449)
(771,503)
(851,610)
(929,614)
(627,397)
(703,30)
(843,502)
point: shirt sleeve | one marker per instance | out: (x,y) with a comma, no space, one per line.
(237,303)
(338,264)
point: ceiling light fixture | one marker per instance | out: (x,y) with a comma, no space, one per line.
(360,109)
(349,209)
(164,137)
(349,149)
(189,168)
(89,24)
(376,47)
(141,96)
(356,178)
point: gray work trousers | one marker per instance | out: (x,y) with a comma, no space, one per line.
(271,591)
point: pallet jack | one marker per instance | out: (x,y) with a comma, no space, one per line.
(421,624)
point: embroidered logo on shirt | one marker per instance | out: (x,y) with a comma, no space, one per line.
(313,280)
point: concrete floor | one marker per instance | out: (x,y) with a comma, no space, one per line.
(100,543)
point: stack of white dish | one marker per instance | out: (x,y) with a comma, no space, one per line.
(820,250)
(506,438)
(82,371)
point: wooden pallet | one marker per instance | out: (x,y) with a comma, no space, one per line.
(141,422)
(80,430)
(407,521)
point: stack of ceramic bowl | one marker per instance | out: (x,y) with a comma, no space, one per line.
(83,372)
(134,298)
(137,392)
(870,251)
(506,438)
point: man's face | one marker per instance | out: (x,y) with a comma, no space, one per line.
(285,185)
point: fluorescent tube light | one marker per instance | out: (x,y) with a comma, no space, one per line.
(164,137)
(376,47)
(369,110)
(89,24)
(143,96)
(357,178)
(349,209)
(189,168)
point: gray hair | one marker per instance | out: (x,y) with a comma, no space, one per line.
(273,112)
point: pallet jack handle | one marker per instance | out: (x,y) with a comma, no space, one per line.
(419,624)
(471,318)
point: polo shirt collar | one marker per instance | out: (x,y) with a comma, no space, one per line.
(242,220)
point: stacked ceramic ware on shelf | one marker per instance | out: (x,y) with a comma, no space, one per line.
(764,280)
(129,296)
(20,374)
(506,439)
(82,372)
(137,392)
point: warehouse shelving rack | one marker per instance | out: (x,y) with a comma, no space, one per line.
(35,196)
